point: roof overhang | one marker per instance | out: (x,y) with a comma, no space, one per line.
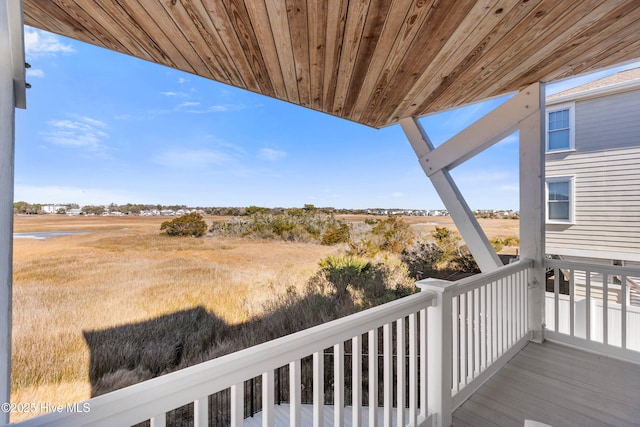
(372,62)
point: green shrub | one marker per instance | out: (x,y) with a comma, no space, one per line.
(362,282)
(448,242)
(336,233)
(191,224)
(499,243)
(299,225)
(392,234)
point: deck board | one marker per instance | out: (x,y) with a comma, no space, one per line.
(556,385)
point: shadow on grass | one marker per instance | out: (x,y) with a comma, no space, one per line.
(135,352)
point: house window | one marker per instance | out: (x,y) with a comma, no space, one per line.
(560,128)
(560,200)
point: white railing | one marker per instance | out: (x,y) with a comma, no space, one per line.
(594,307)
(485,320)
(397,321)
(453,336)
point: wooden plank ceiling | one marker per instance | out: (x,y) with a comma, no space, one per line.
(372,62)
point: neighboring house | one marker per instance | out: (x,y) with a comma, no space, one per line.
(592,171)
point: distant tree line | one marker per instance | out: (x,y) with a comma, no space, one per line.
(23,207)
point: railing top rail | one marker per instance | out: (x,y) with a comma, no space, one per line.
(159,395)
(478,280)
(594,268)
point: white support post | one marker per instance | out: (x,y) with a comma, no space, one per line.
(467,224)
(439,358)
(532,207)
(12,95)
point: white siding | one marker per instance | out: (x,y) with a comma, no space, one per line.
(606,166)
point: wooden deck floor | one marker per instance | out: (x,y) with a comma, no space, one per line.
(556,385)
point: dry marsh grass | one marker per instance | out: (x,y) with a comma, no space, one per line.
(122,273)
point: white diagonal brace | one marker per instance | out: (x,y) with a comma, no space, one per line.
(490,129)
(467,224)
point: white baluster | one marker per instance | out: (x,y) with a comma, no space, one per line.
(267,399)
(318,389)
(338,384)
(294,394)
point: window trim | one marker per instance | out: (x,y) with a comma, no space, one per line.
(571,106)
(572,197)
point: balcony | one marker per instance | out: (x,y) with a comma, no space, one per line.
(468,361)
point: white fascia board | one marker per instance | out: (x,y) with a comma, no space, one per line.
(490,129)
(596,92)
(13,29)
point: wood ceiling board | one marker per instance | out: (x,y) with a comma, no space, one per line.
(430,39)
(203,22)
(259,16)
(371,33)
(164,30)
(336,19)
(472,75)
(119,26)
(624,21)
(59,21)
(530,56)
(369,61)
(317,22)
(299,31)
(419,11)
(277,11)
(354,27)
(459,56)
(247,39)
(387,38)
(182,28)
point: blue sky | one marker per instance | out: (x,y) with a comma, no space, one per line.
(101,127)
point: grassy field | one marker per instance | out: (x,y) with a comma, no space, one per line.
(122,271)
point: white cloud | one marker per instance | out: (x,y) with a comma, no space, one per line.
(38,44)
(66,194)
(171,93)
(271,155)
(182,80)
(189,104)
(78,131)
(195,159)
(397,194)
(219,108)
(35,72)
